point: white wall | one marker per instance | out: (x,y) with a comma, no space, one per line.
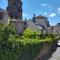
(6,19)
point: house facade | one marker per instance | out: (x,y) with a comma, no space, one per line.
(4,17)
(56,29)
(41,21)
(19,25)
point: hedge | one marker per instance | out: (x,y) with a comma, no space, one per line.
(13,47)
(18,49)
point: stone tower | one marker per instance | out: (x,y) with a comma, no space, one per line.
(15,9)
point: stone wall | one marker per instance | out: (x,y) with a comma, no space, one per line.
(46,51)
(15,9)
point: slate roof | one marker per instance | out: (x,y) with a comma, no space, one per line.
(58,24)
(40,17)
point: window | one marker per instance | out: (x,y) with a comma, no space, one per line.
(1,16)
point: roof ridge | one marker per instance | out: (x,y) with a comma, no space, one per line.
(40,16)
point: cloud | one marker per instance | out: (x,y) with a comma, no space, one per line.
(59,9)
(48,5)
(44,4)
(45,13)
(52,14)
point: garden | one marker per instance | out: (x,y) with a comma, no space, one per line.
(21,47)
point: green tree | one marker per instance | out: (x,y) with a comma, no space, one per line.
(29,33)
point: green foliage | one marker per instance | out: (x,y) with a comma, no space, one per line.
(11,27)
(26,49)
(29,33)
(6,30)
(12,47)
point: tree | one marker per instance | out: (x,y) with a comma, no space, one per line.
(29,33)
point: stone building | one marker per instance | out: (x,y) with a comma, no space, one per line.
(41,21)
(4,17)
(32,26)
(56,29)
(39,24)
(19,25)
(15,9)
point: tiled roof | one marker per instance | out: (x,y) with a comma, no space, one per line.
(40,17)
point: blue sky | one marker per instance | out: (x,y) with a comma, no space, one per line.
(48,8)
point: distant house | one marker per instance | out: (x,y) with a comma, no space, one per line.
(32,25)
(39,23)
(20,25)
(42,20)
(56,29)
(50,29)
(4,17)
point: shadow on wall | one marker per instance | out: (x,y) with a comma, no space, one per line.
(48,51)
(46,57)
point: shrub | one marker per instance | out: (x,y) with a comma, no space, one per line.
(12,47)
(29,33)
(26,49)
(5,32)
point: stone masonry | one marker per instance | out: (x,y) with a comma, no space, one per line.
(15,9)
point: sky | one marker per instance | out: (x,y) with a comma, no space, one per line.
(48,8)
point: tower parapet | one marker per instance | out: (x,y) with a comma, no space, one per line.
(15,9)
